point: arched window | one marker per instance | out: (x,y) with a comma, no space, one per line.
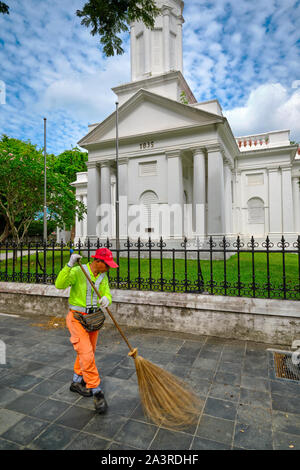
(256,212)
(147,199)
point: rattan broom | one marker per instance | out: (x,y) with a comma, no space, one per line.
(166,399)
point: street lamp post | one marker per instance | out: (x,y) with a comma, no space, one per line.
(117,180)
(45,185)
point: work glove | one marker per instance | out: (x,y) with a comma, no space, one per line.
(104,302)
(73,260)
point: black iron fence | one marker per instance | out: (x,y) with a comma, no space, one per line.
(216,266)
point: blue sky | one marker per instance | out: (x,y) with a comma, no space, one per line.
(244,53)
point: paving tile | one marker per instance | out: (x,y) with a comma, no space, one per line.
(227,378)
(216,429)
(285,403)
(220,408)
(190,348)
(76,417)
(7,395)
(121,372)
(285,388)
(225,392)
(116,446)
(123,405)
(88,442)
(232,356)
(255,383)
(63,375)
(49,410)
(55,437)
(203,363)
(22,382)
(286,422)
(8,419)
(6,445)
(25,403)
(230,367)
(256,416)
(47,388)
(105,426)
(198,384)
(64,394)
(284,441)
(137,433)
(204,444)
(171,440)
(253,437)
(25,430)
(255,398)
(256,370)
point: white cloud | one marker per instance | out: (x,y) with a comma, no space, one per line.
(269,107)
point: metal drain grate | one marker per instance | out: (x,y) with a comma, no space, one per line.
(285,368)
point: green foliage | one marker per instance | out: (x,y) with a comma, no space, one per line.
(70,162)
(36,228)
(183,98)
(109,18)
(4,8)
(22,188)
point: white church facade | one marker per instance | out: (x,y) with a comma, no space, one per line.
(178,159)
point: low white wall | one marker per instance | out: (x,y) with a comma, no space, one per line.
(261,320)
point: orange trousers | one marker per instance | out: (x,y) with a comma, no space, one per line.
(84,344)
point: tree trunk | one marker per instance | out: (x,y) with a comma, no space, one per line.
(5,233)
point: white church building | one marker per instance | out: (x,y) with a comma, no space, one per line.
(178,159)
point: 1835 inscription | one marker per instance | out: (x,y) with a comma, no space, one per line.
(147,145)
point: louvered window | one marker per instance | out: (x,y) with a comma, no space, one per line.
(148,218)
(148,169)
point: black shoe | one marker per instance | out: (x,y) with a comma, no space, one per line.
(100,403)
(78,387)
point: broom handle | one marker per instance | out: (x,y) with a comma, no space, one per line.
(108,311)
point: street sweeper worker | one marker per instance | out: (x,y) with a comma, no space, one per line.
(84,305)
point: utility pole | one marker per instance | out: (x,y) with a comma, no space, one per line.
(117,180)
(45,185)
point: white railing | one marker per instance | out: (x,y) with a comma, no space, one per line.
(253,142)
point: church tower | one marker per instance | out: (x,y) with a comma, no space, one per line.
(157,57)
(158,51)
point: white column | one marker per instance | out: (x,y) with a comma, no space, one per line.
(175,192)
(84,221)
(275,201)
(123,196)
(105,200)
(199,192)
(228,198)
(133,52)
(287,200)
(179,54)
(215,193)
(166,32)
(93,199)
(78,224)
(296,200)
(147,34)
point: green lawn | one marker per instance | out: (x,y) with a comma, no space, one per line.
(187,278)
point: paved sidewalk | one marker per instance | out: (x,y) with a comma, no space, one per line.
(245,406)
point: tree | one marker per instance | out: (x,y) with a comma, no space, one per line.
(109,18)
(4,8)
(22,189)
(70,162)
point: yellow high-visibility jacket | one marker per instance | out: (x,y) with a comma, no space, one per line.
(82,294)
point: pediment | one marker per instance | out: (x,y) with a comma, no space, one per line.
(147,113)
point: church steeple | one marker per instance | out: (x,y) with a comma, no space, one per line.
(158,51)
